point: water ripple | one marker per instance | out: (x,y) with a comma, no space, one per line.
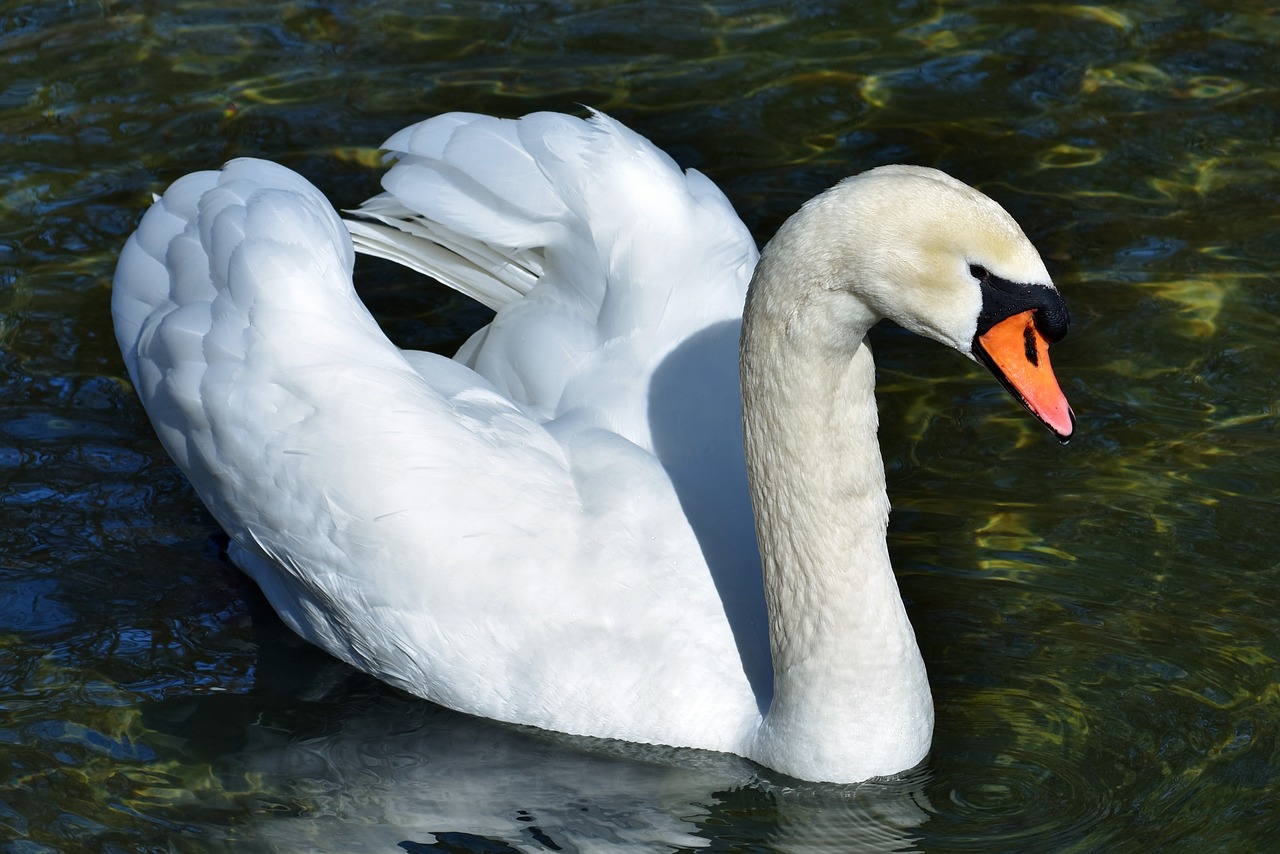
(1098,620)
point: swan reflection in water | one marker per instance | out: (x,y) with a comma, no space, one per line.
(353,766)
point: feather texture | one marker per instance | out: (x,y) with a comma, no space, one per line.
(235,308)
(556,526)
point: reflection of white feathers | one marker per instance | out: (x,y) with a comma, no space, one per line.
(401,771)
(369,788)
(555,528)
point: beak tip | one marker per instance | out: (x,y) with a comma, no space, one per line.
(1064,435)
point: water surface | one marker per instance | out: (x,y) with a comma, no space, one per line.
(1099,620)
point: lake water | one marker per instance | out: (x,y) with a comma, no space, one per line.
(1099,620)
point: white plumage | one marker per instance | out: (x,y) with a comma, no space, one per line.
(554,528)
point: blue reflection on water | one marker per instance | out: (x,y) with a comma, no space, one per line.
(31,606)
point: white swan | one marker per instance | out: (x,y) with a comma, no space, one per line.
(554,528)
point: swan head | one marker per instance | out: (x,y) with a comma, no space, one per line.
(941,259)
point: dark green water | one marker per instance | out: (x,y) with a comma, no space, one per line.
(1099,620)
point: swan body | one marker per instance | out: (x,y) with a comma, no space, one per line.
(583,521)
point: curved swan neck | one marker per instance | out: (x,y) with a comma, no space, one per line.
(851,698)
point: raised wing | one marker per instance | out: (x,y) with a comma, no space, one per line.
(599,254)
(405,513)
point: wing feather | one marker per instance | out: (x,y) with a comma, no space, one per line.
(402,511)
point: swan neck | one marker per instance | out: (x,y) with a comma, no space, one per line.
(851,698)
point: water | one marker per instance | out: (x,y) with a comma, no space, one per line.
(1099,620)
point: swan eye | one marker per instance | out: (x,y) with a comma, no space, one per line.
(979,272)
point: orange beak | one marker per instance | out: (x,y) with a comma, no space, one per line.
(1018,355)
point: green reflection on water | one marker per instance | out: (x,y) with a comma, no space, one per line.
(1098,620)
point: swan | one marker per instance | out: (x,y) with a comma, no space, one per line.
(646,502)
